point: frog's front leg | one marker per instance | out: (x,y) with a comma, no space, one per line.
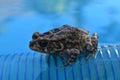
(72,55)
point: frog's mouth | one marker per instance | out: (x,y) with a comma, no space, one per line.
(34,45)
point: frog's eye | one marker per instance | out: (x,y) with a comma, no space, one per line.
(43,44)
(35,35)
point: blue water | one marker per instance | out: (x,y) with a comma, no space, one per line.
(20,19)
(17,28)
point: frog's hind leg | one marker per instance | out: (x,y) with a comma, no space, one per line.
(73,53)
(94,41)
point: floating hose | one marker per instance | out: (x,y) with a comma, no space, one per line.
(33,66)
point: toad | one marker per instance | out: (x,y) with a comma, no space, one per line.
(65,41)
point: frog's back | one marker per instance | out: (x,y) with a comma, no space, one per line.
(71,33)
(67,29)
(71,37)
(71,29)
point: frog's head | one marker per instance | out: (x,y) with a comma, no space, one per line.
(42,44)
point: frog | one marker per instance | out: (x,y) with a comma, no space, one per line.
(65,41)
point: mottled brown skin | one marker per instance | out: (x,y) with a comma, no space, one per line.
(65,41)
